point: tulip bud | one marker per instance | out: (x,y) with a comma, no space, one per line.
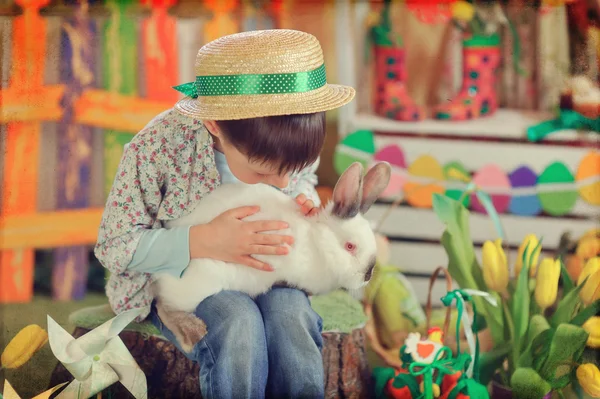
(495,268)
(588,247)
(591,266)
(588,376)
(574,265)
(462,10)
(592,326)
(591,290)
(530,242)
(23,346)
(546,286)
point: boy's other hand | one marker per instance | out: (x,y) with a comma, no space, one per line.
(231,239)
(307,206)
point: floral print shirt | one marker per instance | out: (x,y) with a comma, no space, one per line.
(165,170)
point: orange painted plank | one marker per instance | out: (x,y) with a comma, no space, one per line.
(34,105)
(109,110)
(50,229)
(22,148)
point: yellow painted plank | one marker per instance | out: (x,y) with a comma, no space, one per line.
(115,111)
(50,229)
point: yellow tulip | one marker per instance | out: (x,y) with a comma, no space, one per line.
(591,267)
(22,347)
(592,326)
(462,11)
(588,247)
(588,376)
(546,286)
(591,290)
(495,267)
(592,233)
(533,242)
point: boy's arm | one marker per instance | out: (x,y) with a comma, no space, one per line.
(129,220)
(305,182)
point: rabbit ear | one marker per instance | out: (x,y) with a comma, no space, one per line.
(347,192)
(375,182)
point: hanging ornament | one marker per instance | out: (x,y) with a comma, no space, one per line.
(395,157)
(524,201)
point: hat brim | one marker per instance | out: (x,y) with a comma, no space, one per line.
(232,107)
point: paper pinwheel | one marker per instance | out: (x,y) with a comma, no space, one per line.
(97,359)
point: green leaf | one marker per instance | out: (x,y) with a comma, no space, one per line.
(462,263)
(526,383)
(538,325)
(567,344)
(520,308)
(381,376)
(585,314)
(566,307)
(490,362)
(567,283)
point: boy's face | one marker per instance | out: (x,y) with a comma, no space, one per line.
(249,172)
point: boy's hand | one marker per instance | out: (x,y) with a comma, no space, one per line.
(308,207)
(231,239)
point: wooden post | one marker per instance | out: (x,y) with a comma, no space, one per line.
(120,76)
(70,270)
(222,22)
(159,39)
(20,177)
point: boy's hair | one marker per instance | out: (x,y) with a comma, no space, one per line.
(292,142)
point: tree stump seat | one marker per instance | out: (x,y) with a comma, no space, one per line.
(170,374)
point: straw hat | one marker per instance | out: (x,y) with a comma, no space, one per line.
(260,73)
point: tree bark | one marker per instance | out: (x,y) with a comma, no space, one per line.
(170,374)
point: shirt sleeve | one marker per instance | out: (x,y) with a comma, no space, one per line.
(306,182)
(162,251)
(132,204)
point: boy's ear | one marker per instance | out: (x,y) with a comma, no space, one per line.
(212,128)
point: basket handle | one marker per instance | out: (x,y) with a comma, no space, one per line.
(432,280)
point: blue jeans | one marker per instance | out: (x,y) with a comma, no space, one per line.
(266,347)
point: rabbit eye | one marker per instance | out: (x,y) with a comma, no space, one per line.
(350,247)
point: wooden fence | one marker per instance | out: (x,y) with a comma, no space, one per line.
(78,80)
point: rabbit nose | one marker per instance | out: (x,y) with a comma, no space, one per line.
(369,272)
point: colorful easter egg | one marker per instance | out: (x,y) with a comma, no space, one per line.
(425,179)
(554,192)
(395,157)
(356,147)
(524,201)
(588,178)
(493,181)
(457,178)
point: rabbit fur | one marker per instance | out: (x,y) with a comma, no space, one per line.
(333,249)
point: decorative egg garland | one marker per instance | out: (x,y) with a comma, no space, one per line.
(521,192)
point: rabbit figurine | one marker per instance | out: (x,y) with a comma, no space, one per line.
(333,249)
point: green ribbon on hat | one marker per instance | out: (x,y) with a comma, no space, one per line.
(247,84)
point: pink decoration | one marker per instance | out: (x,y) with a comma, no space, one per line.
(394,156)
(491,179)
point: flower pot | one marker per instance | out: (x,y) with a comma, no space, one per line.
(499,391)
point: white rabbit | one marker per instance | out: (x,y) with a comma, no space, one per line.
(334,249)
